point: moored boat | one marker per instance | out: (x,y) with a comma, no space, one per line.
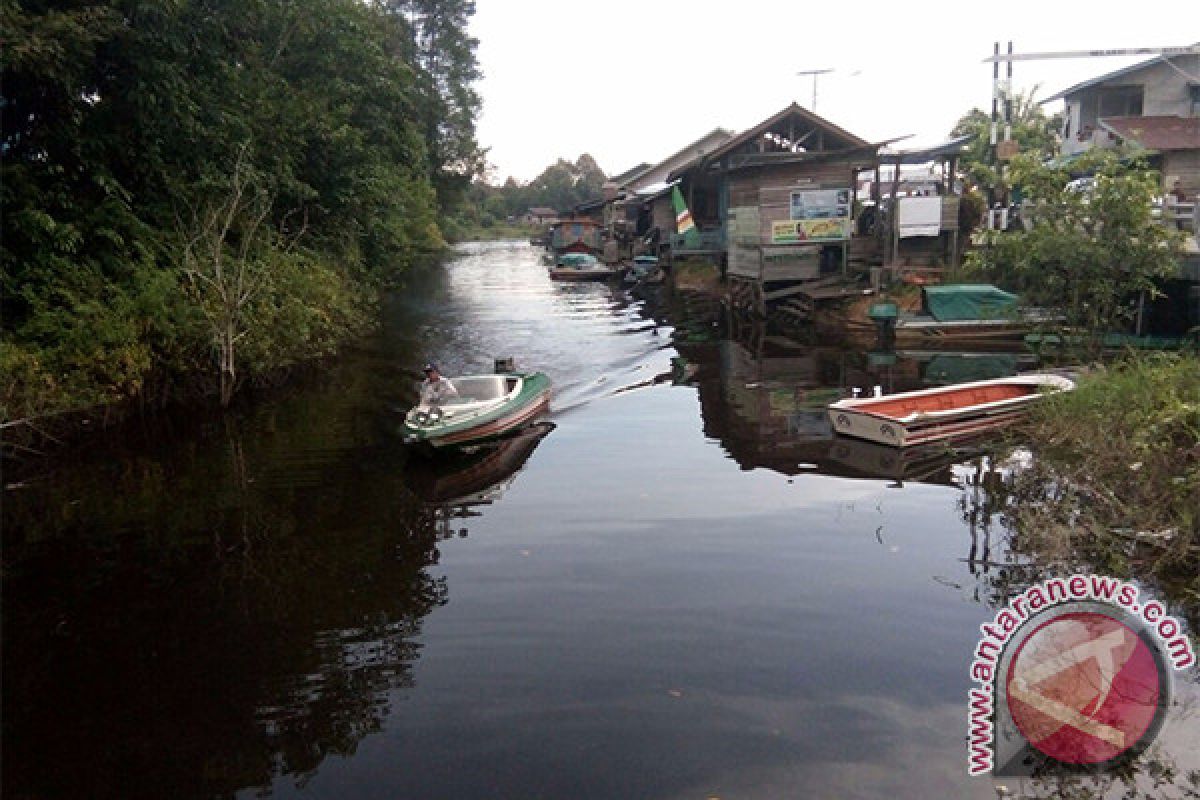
(953,314)
(927,415)
(581,267)
(487,407)
(576,236)
(640,268)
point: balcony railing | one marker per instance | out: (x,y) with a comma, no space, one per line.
(1180,215)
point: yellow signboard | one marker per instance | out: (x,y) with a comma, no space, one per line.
(799,231)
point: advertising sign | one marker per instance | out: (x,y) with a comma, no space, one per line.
(817,215)
(803,231)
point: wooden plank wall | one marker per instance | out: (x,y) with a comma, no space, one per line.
(950,212)
(771,188)
(664,214)
(759,197)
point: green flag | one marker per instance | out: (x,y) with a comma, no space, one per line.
(683,217)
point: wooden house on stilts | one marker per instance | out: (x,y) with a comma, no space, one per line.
(775,206)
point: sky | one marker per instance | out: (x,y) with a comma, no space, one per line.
(631,82)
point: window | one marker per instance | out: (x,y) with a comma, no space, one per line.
(1120,101)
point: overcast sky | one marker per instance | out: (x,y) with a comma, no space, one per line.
(636,81)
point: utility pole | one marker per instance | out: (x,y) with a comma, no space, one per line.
(814,73)
(1002,90)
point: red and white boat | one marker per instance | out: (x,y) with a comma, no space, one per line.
(928,415)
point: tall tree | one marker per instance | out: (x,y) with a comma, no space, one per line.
(441,47)
(122,116)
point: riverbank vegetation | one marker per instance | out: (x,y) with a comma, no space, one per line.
(1114,477)
(198,195)
(1090,250)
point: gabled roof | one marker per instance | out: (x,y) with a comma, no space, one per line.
(1156,133)
(589,205)
(1111,76)
(631,174)
(770,125)
(717,136)
(678,160)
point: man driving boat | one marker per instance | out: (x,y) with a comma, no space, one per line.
(435,389)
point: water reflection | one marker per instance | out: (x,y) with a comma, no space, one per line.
(454,485)
(645,606)
(246,608)
(248,636)
(764,397)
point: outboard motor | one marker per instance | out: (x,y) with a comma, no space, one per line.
(504,366)
(884,316)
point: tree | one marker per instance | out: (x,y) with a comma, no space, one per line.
(1091,252)
(121,115)
(1033,131)
(441,48)
(563,185)
(227,249)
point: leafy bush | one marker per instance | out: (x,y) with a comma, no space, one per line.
(1088,253)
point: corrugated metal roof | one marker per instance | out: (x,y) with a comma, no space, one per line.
(1120,73)
(631,174)
(654,190)
(765,126)
(950,147)
(1156,133)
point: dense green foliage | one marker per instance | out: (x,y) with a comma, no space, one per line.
(1087,250)
(1033,131)
(198,192)
(561,186)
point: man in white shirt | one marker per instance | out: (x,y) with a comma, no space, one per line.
(435,389)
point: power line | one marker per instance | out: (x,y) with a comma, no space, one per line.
(1193,49)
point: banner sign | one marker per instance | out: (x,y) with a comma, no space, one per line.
(817,215)
(802,231)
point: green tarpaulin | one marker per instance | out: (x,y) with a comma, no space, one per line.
(965,301)
(946,368)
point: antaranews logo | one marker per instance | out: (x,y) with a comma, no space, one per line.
(1073,672)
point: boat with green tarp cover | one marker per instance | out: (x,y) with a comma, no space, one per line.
(968,301)
(955,313)
(487,407)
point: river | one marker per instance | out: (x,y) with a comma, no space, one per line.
(680,587)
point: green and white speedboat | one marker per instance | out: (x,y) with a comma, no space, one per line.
(487,407)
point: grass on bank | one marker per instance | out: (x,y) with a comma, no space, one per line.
(1116,472)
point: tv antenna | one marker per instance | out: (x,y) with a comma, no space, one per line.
(814,73)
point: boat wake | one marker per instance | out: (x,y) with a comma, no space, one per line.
(591,339)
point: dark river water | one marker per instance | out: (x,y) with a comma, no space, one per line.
(680,587)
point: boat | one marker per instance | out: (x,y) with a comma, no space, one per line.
(928,415)
(954,314)
(641,268)
(581,267)
(576,236)
(487,407)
